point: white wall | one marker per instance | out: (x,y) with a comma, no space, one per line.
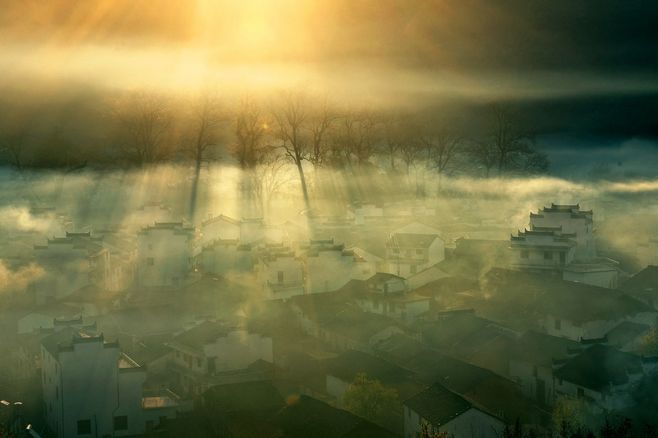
(164,257)
(595,278)
(238,350)
(86,384)
(471,424)
(328,270)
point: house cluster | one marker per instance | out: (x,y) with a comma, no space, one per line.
(561,238)
(238,327)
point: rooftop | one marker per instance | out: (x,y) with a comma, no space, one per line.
(203,334)
(308,417)
(599,366)
(411,240)
(244,397)
(541,349)
(644,283)
(347,365)
(438,405)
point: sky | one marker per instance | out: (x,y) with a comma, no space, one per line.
(585,68)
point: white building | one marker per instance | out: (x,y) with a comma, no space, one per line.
(71,263)
(329,266)
(212,353)
(580,311)
(90,388)
(280,272)
(542,249)
(412,249)
(442,410)
(602,375)
(224,257)
(561,238)
(531,364)
(164,254)
(222,227)
(571,220)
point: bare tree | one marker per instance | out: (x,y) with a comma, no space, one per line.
(356,139)
(510,142)
(483,154)
(250,130)
(410,150)
(321,122)
(205,134)
(269,176)
(291,117)
(13,142)
(145,121)
(396,135)
(208,117)
(441,147)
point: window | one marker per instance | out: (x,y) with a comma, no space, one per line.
(84,427)
(419,252)
(524,254)
(149,261)
(198,362)
(279,276)
(412,269)
(121,422)
(563,258)
(150,246)
(558,324)
(548,255)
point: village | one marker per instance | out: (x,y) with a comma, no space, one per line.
(385,321)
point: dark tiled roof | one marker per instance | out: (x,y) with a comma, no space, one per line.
(245,397)
(411,240)
(438,405)
(357,325)
(350,363)
(625,332)
(572,301)
(644,283)
(459,376)
(206,332)
(541,349)
(599,366)
(309,417)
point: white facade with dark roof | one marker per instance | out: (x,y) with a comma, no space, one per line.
(280,272)
(571,220)
(164,254)
(89,387)
(412,249)
(542,249)
(444,411)
(329,266)
(213,353)
(71,263)
(561,238)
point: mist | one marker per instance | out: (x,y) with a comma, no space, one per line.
(335,218)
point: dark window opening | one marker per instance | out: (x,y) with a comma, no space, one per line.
(84,427)
(121,422)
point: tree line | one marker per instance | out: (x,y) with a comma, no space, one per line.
(262,136)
